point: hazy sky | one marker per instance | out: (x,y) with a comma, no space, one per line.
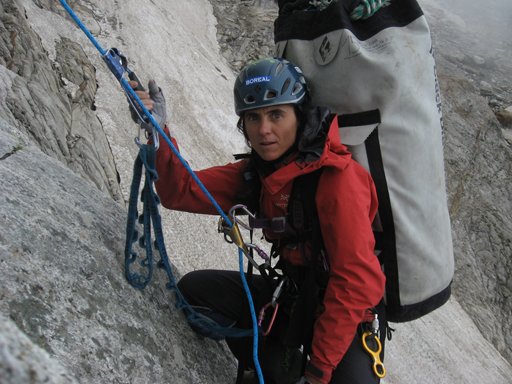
(490,19)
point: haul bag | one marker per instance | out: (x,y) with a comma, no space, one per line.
(379,75)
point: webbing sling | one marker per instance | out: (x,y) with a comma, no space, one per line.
(151,216)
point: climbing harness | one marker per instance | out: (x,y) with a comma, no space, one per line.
(373,346)
(233,235)
(117,64)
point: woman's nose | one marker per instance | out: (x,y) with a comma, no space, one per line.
(265,126)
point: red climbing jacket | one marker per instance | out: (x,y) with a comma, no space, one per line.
(346,204)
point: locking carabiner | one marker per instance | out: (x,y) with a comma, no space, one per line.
(273,303)
(262,316)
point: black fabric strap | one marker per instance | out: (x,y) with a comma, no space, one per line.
(386,239)
(304,219)
(308,25)
(275,224)
(360,118)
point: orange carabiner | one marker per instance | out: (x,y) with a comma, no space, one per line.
(378,366)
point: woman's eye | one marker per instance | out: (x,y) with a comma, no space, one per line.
(276,115)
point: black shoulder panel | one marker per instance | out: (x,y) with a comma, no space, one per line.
(308,25)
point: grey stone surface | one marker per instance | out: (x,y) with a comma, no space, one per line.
(63,287)
(444,347)
(505,117)
(479,174)
(53,101)
(478,159)
(245,30)
(22,361)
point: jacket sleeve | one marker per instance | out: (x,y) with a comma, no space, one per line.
(179,191)
(347,204)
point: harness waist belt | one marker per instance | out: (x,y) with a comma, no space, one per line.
(275,224)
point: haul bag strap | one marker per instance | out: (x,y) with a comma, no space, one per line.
(360,118)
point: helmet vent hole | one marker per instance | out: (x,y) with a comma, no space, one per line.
(249,99)
(285,86)
(270,94)
(279,68)
(297,88)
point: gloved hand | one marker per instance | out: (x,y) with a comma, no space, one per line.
(154,101)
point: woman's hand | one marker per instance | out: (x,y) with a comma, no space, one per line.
(153,101)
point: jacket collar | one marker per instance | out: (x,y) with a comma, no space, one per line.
(319,146)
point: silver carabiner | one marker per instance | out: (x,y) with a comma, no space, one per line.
(278,291)
(156,139)
(232,214)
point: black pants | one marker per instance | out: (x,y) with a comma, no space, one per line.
(223,293)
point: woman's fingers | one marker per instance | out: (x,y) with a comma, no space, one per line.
(143,95)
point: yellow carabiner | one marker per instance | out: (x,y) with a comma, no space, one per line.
(232,235)
(378,366)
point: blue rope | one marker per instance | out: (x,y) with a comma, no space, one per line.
(151,203)
(83,27)
(253,316)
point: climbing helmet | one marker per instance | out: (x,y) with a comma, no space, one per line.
(269,81)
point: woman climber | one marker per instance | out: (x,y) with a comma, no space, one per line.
(315,205)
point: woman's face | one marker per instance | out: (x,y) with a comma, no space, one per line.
(272,130)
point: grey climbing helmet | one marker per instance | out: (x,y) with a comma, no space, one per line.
(266,82)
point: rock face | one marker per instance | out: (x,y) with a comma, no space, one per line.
(245,30)
(53,101)
(66,312)
(25,362)
(61,258)
(480,172)
(476,87)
